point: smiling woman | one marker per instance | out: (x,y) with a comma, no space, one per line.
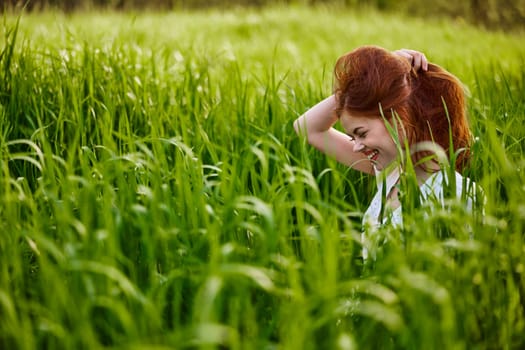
(371,138)
(391,104)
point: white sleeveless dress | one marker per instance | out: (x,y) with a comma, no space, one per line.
(433,187)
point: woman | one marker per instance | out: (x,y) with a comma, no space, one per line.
(390,105)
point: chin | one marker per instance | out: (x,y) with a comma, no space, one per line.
(378,166)
(381,166)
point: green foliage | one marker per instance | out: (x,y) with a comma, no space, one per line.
(154,194)
(493,14)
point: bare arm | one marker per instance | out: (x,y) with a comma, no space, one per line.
(317,125)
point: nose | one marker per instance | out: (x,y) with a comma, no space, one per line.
(358,146)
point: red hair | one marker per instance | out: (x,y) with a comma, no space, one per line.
(430,104)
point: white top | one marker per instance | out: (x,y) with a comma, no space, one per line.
(432,188)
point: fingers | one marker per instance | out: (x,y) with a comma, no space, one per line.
(419,61)
(416,58)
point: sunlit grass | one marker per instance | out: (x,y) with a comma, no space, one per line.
(154,193)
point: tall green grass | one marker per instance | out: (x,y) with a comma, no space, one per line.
(154,194)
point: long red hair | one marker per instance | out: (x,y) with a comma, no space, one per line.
(429,104)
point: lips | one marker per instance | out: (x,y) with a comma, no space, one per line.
(372,155)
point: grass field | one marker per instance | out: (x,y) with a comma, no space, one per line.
(154,195)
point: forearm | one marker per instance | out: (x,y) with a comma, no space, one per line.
(317,125)
(318,119)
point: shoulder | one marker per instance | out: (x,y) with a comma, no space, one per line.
(442,184)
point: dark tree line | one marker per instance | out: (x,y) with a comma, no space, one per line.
(504,14)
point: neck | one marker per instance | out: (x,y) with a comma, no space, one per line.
(425,170)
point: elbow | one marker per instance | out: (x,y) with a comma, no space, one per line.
(299,126)
(296,126)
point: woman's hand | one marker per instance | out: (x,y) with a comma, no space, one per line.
(416,58)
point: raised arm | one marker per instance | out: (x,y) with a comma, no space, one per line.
(317,125)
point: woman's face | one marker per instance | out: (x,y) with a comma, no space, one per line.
(370,137)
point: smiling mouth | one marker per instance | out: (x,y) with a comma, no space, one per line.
(372,155)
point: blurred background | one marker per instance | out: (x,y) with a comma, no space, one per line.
(492,14)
